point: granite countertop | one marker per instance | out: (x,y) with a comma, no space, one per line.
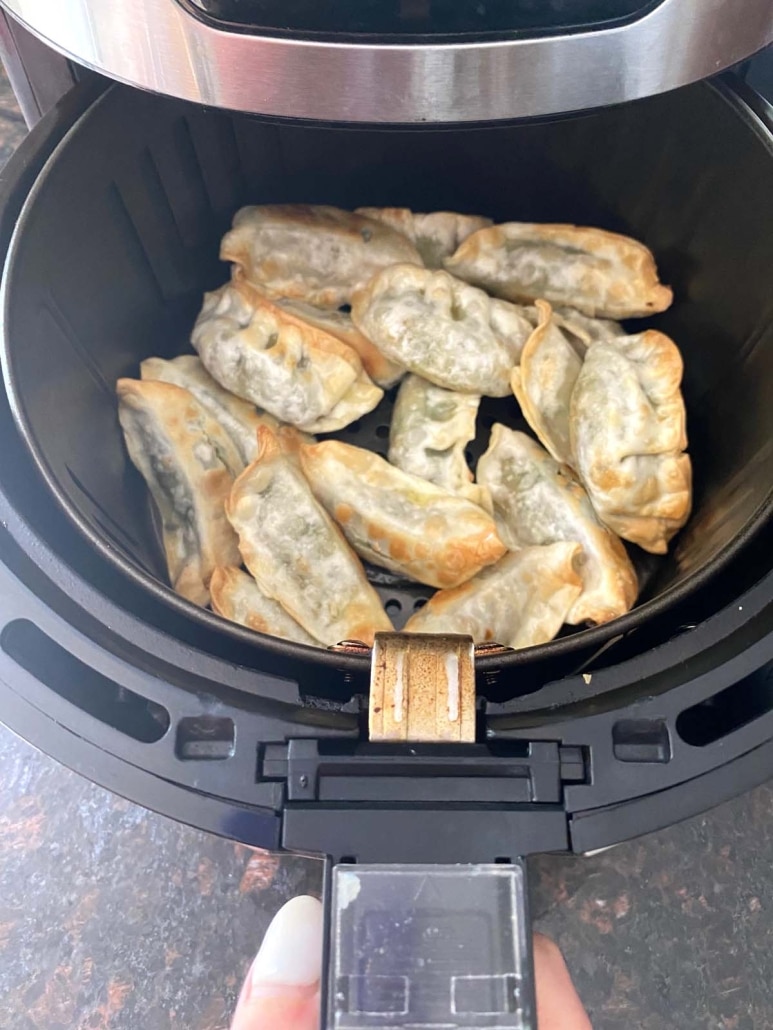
(114,917)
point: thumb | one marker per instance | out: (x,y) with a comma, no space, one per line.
(282,987)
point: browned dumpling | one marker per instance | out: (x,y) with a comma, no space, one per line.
(239,418)
(236,596)
(544,381)
(629,437)
(538,501)
(521,601)
(297,554)
(429,432)
(597,272)
(311,252)
(339,324)
(442,329)
(586,330)
(188,462)
(435,235)
(283,364)
(400,521)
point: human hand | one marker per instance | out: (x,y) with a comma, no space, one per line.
(558,1003)
(282,987)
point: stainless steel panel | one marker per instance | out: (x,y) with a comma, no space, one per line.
(158,45)
(38,75)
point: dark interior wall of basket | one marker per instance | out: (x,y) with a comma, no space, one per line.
(116,273)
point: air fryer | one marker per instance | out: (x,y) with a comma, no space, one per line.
(111,214)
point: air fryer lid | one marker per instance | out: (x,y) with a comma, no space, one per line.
(120,237)
(387,61)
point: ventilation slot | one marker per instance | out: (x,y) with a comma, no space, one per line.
(641,740)
(205,738)
(83,686)
(727,711)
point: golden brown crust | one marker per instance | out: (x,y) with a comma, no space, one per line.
(239,418)
(381,370)
(398,218)
(628,427)
(442,329)
(435,235)
(326,342)
(521,601)
(166,427)
(236,596)
(297,554)
(429,431)
(537,502)
(544,381)
(315,253)
(221,587)
(398,520)
(620,280)
(265,354)
(290,440)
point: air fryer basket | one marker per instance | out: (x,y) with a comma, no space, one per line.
(120,235)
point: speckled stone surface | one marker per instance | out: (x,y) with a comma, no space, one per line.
(673,931)
(113,917)
(12,127)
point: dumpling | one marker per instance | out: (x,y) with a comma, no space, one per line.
(550,364)
(189,463)
(442,329)
(239,418)
(587,330)
(286,366)
(311,252)
(429,431)
(629,437)
(521,601)
(289,439)
(582,329)
(436,235)
(594,271)
(297,554)
(339,324)
(400,521)
(236,596)
(538,501)
(544,381)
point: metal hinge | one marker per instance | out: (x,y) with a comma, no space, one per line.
(379,802)
(347,772)
(422,686)
(422,747)
(421,788)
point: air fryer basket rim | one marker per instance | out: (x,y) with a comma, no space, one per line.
(584,639)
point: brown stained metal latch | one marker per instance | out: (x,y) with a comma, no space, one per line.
(351,647)
(422,688)
(422,685)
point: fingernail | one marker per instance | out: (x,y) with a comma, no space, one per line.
(291,953)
